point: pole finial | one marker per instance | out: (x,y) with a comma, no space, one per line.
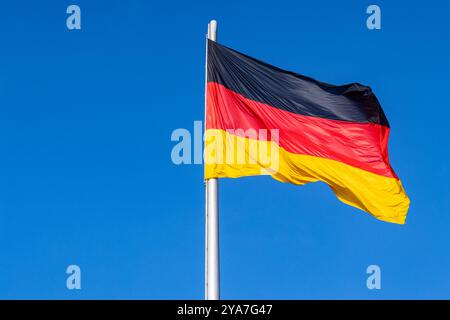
(212,30)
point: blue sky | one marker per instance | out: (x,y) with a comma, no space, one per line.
(86,176)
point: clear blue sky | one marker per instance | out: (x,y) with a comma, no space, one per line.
(86,176)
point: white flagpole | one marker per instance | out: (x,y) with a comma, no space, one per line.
(212,279)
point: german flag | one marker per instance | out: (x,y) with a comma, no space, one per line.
(264,120)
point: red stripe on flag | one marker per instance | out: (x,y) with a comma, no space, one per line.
(361,145)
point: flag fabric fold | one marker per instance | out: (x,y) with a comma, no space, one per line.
(264,120)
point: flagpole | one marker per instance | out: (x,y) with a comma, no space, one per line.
(212,277)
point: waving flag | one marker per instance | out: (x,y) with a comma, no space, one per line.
(264,120)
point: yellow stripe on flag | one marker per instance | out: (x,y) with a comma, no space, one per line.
(228,155)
